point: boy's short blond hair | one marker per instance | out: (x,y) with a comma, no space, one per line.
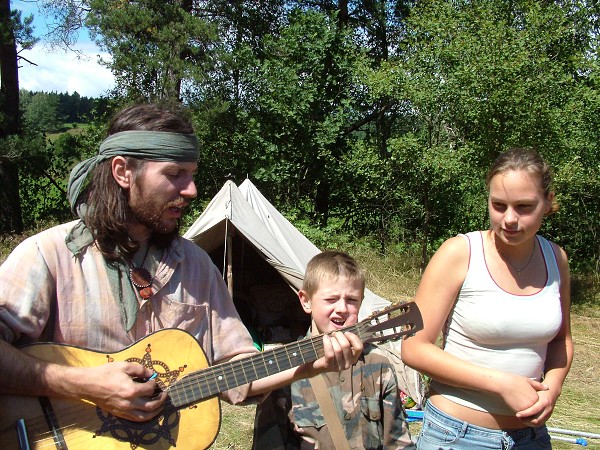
(331,264)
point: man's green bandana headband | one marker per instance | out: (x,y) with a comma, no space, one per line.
(150,145)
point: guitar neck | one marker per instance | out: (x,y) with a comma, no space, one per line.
(211,381)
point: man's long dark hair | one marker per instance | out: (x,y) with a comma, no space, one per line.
(108,211)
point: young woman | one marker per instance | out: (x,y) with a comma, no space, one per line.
(500,298)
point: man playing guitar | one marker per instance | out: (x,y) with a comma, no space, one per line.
(121,272)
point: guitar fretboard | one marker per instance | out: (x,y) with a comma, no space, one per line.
(213,380)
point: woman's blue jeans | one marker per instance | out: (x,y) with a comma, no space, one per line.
(441,431)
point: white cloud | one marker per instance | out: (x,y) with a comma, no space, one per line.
(60,71)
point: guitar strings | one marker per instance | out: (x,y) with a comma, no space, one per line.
(249,368)
(216,375)
(37,427)
(76,433)
(245,370)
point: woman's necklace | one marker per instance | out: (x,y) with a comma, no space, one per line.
(141,278)
(505,259)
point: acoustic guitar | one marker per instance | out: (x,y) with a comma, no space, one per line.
(191,415)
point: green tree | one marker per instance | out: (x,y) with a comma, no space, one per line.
(224,99)
(41,112)
(155,45)
(577,165)
(478,77)
(15,32)
(304,106)
(45,170)
(377,116)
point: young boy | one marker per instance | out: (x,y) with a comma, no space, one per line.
(366,396)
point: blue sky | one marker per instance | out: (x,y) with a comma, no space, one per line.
(58,70)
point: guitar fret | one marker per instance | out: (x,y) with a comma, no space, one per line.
(256,374)
(222,379)
(308,351)
(270,363)
(236,366)
(279,369)
(286,363)
(243,371)
(284,360)
(295,357)
(262,369)
(208,383)
(196,390)
(314,348)
(251,369)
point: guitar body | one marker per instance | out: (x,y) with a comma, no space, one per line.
(54,423)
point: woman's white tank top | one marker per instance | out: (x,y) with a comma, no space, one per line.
(492,328)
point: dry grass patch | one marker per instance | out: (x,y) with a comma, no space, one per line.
(236,428)
(578,408)
(392,276)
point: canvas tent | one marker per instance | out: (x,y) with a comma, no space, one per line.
(263,258)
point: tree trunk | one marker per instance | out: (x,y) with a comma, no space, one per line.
(426,224)
(11,219)
(9,74)
(343,13)
(322,203)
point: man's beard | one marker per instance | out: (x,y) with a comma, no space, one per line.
(150,215)
(163,240)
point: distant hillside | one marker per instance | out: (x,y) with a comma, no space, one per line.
(51,112)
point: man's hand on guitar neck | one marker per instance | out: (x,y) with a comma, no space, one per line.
(341,350)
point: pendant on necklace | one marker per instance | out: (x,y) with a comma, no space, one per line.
(146,293)
(504,258)
(140,277)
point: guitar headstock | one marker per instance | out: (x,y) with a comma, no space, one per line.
(391,323)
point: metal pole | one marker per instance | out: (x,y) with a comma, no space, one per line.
(230,265)
(574,433)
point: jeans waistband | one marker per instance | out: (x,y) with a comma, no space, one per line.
(449,420)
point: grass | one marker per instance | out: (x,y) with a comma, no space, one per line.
(578,408)
(70,128)
(396,277)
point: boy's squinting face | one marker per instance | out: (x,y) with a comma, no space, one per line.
(334,305)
